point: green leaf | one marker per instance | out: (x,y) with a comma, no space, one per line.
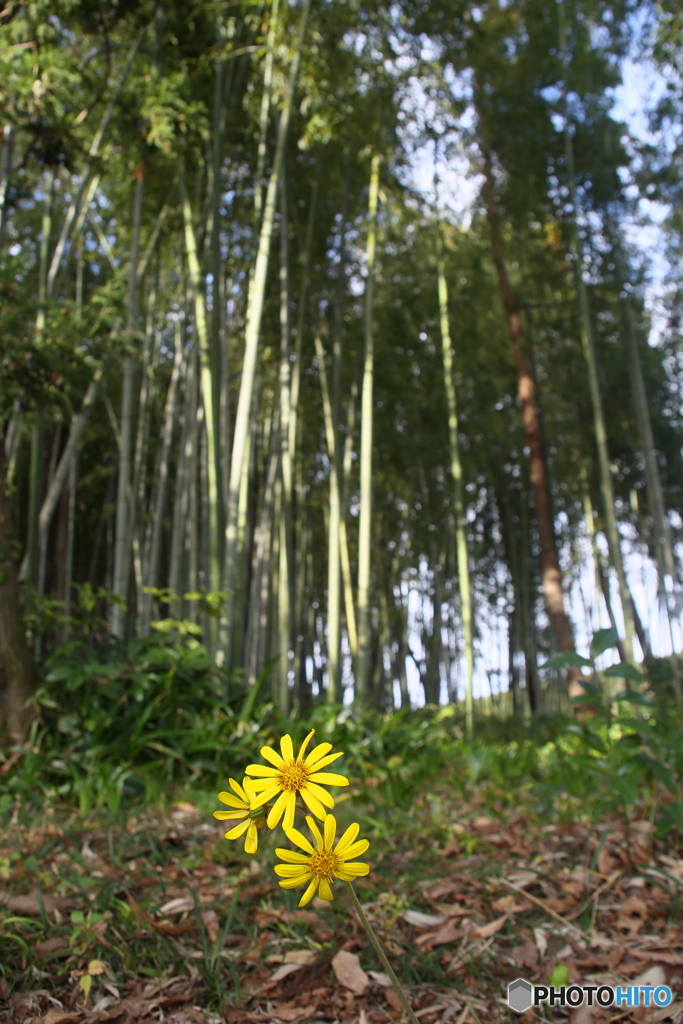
(624,671)
(567,659)
(559,976)
(603,640)
(635,698)
(663,773)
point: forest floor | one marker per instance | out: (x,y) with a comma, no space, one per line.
(156,918)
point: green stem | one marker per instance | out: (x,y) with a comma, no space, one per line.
(380,953)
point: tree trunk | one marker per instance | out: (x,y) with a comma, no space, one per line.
(550,568)
(122,543)
(17,679)
(464,585)
(367,410)
(333,561)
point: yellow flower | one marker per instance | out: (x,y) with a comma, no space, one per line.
(323,864)
(242,805)
(290,775)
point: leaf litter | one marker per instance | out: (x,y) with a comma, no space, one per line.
(186,930)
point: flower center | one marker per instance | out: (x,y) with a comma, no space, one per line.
(293,775)
(324,863)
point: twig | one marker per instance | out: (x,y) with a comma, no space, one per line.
(546,909)
(594,895)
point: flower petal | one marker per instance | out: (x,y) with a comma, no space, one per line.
(316,832)
(254,785)
(348,838)
(322,762)
(329,779)
(236,788)
(238,830)
(349,871)
(290,870)
(224,815)
(264,771)
(317,753)
(302,842)
(290,809)
(325,890)
(268,794)
(313,804)
(278,809)
(292,883)
(291,856)
(271,755)
(287,748)
(308,895)
(232,801)
(355,850)
(302,748)
(330,831)
(251,842)
(322,794)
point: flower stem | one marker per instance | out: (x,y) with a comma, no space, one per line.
(380,953)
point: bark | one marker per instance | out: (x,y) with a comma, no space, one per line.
(124,511)
(367,410)
(550,569)
(255,303)
(464,585)
(17,679)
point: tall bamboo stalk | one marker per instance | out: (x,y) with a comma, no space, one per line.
(182,483)
(264,113)
(349,605)
(367,411)
(255,302)
(123,539)
(333,560)
(5,173)
(285,576)
(464,584)
(207,391)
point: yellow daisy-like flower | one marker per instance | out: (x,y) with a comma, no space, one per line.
(242,806)
(319,867)
(290,775)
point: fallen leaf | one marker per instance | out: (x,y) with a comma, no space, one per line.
(673,1010)
(632,915)
(487,930)
(210,921)
(436,890)
(177,906)
(671,959)
(419,920)
(54,1016)
(541,942)
(448,933)
(349,972)
(522,878)
(525,955)
(300,957)
(381,978)
(283,971)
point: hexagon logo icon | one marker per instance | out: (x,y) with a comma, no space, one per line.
(520,995)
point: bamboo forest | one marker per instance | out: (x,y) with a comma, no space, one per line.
(341,370)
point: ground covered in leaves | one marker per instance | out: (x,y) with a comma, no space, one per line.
(156,918)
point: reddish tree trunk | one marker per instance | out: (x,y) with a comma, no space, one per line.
(17,679)
(526,392)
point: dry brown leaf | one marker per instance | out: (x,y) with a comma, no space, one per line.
(442,936)
(30,905)
(283,971)
(487,930)
(674,1010)
(210,920)
(300,957)
(632,915)
(437,890)
(670,959)
(420,920)
(55,1016)
(349,972)
(525,955)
